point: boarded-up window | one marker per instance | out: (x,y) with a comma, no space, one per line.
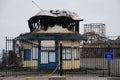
(48,43)
(51,56)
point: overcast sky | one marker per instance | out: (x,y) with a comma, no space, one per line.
(15,13)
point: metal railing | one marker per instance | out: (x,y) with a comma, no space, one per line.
(92,61)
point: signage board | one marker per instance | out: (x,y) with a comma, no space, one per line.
(109,56)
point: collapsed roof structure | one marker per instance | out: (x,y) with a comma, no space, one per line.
(50,18)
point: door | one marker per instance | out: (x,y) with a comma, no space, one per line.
(47,60)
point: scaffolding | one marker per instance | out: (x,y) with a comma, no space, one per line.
(95,32)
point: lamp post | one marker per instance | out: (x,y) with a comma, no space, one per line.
(61,59)
(108,49)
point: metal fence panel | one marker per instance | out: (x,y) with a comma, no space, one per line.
(92,60)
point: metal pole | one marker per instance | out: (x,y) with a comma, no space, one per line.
(6,59)
(61,59)
(109,61)
(39,53)
(14,43)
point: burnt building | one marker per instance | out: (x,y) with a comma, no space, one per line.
(49,29)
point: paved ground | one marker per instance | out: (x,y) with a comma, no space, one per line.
(68,77)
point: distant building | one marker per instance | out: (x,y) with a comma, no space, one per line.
(95,32)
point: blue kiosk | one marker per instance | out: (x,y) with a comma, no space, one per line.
(49,28)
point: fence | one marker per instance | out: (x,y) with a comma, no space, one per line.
(93,57)
(22,60)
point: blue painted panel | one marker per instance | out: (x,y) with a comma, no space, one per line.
(27,54)
(46,38)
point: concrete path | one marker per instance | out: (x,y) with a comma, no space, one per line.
(68,77)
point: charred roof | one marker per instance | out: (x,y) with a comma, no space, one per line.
(50,18)
(58,13)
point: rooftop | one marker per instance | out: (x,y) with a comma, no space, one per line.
(58,13)
(72,36)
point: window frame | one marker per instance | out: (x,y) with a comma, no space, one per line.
(35,57)
(76,53)
(67,55)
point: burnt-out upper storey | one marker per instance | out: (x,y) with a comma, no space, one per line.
(45,19)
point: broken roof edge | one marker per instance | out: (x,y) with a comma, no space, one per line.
(58,13)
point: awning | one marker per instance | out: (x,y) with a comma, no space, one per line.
(58,36)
